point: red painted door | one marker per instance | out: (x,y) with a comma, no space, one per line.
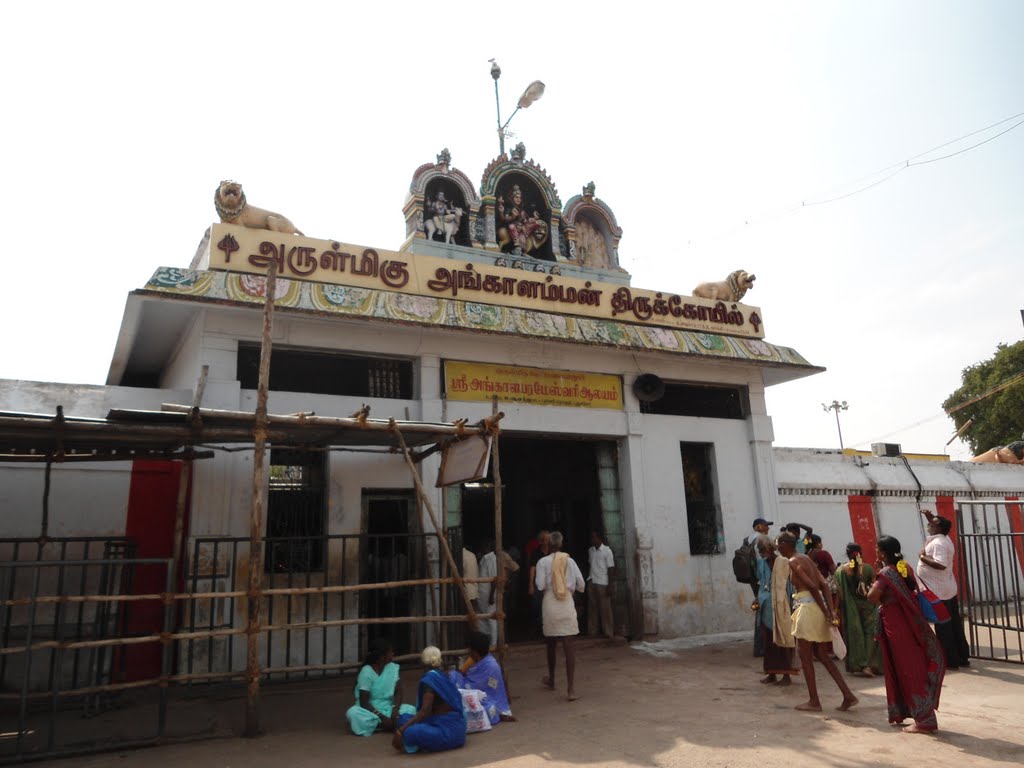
(152,501)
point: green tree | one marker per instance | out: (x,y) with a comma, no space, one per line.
(998,413)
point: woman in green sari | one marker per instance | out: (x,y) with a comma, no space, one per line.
(378,693)
(859,617)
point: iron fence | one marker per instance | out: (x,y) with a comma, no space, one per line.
(66,649)
(110,634)
(303,647)
(991,571)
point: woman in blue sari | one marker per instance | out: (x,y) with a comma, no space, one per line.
(439,722)
(378,693)
(482,672)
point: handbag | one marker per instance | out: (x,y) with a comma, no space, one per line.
(936,611)
(926,608)
(838,646)
(937,608)
(473,709)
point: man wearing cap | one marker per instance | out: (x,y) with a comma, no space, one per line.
(761,532)
(759,541)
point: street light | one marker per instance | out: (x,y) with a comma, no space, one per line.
(837,407)
(533,92)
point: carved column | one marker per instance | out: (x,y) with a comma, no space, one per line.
(648,594)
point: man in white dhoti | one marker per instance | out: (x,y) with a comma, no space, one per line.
(559,577)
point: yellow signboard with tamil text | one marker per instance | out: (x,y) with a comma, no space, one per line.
(301,258)
(533,386)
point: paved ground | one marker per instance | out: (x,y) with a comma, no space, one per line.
(692,706)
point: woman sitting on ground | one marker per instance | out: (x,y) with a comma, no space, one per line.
(482,672)
(378,693)
(439,722)
(914,665)
(859,616)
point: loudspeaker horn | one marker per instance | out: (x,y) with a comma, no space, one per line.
(647,387)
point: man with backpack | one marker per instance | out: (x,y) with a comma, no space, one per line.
(744,566)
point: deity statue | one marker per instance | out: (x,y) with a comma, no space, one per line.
(443,217)
(526,233)
(590,245)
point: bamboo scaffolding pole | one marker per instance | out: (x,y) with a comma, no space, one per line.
(471,616)
(294,591)
(185,479)
(252,699)
(328,423)
(107,642)
(44,524)
(227,676)
(499,552)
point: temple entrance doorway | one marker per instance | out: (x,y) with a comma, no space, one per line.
(550,483)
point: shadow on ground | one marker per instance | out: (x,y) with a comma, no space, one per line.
(700,706)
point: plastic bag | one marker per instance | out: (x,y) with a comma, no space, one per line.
(476,716)
(838,646)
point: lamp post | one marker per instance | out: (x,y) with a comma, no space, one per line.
(837,407)
(533,92)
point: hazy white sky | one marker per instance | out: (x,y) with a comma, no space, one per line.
(704,126)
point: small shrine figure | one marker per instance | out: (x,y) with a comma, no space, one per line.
(443,218)
(524,233)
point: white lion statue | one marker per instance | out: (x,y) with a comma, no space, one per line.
(233,208)
(733,288)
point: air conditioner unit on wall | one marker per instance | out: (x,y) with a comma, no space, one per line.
(886,449)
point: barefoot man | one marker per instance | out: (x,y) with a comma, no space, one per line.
(812,622)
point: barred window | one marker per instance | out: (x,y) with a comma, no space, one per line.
(328,373)
(703,513)
(295,512)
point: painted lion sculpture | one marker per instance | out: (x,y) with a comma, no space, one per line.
(233,208)
(733,288)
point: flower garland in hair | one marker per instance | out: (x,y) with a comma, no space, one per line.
(902,567)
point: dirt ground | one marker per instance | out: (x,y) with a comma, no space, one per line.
(686,705)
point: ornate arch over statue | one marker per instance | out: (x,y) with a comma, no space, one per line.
(591,232)
(442,204)
(520,207)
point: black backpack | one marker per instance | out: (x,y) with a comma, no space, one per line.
(743,563)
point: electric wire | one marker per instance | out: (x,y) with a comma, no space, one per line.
(911,162)
(892,170)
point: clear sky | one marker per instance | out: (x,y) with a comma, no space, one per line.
(704,126)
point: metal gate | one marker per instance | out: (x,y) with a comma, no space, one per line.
(991,576)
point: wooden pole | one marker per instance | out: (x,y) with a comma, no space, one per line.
(499,550)
(179,517)
(471,616)
(184,479)
(252,630)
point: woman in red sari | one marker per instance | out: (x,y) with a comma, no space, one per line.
(914,665)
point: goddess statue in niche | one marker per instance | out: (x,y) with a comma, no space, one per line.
(517,230)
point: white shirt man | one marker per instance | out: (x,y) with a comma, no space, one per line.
(942,582)
(601,561)
(470,570)
(599,598)
(935,571)
(489,570)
